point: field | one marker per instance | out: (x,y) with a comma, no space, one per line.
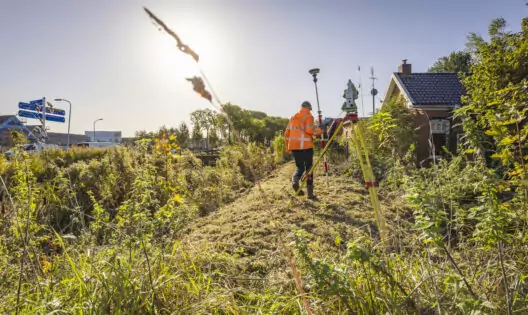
(122,231)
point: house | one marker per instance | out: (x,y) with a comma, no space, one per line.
(9,123)
(432,97)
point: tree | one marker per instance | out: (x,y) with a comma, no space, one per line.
(394,126)
(142,134)
(494,118)
(213,137)
(209,121)
(251,125)
(197,135)
(222,126)
(457,61)
(182,135)
(206,119)
(256,129)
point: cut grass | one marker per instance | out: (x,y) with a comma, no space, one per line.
(250,228)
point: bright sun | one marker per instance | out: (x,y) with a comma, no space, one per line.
(171,59)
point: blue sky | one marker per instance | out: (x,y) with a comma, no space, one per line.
(112,63)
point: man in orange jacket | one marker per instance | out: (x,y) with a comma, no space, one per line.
(299,140)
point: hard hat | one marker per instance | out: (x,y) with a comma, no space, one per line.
(306,104)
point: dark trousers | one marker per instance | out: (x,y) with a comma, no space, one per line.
(303,161)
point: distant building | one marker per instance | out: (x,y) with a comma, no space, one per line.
(62,138)
(9,123)
(105,136)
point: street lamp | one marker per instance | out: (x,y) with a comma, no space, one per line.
(69,116)
(94,127)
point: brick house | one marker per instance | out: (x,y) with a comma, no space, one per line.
(432,97)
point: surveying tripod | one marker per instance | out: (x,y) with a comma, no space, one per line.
(358,144)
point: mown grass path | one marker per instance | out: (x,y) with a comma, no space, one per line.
(249,228)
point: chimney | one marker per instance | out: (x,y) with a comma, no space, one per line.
(405,68)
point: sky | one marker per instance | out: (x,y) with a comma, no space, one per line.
(112,62)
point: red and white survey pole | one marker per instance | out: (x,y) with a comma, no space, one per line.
(314,73)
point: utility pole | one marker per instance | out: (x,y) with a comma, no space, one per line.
(373,92)
(361,88)
(44,119)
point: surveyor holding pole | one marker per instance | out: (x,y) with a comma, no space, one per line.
(299,141)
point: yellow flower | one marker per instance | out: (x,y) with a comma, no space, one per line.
(45,264)
(178,198)
(172,137)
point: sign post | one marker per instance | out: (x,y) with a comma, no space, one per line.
(44,118)
(37,109)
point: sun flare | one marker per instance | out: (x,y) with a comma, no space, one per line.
(170,58)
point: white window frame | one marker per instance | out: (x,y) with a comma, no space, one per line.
(439,126)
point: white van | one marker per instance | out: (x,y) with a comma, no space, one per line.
(33,148)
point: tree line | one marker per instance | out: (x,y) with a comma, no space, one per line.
(210,129)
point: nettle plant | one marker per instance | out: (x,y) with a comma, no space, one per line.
(495,121)
(496,104)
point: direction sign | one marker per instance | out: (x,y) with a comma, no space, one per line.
(38,115)
(36,102)
(49,110)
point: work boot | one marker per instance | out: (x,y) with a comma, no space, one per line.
(310,188)
(295,188)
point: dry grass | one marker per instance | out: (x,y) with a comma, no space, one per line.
(252,227)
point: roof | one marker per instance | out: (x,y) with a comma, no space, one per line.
(431,88)
(4,118)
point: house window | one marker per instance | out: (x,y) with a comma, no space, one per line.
(439,126)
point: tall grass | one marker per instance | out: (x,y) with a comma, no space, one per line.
(93,230)
(99,233)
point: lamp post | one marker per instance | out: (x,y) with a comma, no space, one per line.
(94,127)
(69,116)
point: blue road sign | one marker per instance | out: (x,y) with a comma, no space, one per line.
(36,102)
(54,118)
(36,115)
(29,106)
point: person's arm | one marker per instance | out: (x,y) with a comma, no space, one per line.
(310,127)
(287,133)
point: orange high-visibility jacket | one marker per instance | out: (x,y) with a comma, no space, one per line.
(300,131)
